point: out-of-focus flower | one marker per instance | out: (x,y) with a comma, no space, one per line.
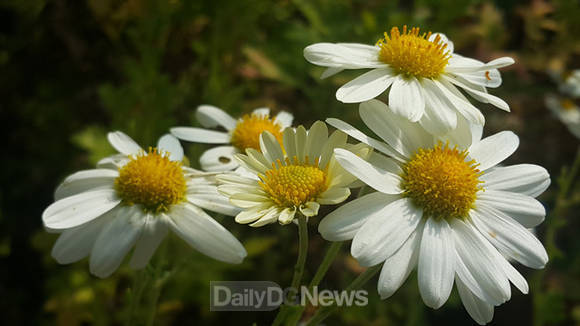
(133,199)
(296,180)
(570,84)
(442,206)
(422,72)
(240,134)
(567,111)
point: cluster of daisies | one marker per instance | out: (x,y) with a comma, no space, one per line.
(564,106)
(442,202)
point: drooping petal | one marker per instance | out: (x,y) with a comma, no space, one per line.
(384,232)
(115,240)
(206,235)
(439,117)
(406,98)
(79,209)
(153,232)
(366,86)
(398,266)
(479,310)
(379,179)
(344,222)
(436,266)
(87,180)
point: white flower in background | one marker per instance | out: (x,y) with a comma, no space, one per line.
(240,134)
(422,72)
(567,111)
(294,180)
(570,83)
(134,199)
(442,206)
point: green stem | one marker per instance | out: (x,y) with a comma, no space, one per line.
(302,252)
(139,284)
(361,280)
(331,254)
(284,311)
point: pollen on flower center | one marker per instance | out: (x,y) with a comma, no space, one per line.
(411,54)
(294,183)
(250,127)
(152,180)
(441,181)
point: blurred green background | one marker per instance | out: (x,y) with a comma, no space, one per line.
(72,70)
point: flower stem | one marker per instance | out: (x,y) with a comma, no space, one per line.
(285,310)
(324,312)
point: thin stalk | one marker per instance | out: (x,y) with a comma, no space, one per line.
(361,280)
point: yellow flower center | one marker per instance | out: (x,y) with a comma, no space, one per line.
(294,183)
(567,104)
(151,180)
(441,181)
(412,54)
(250,127)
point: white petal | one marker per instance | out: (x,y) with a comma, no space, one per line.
(478,264)
(113,162)
(270,147)
(358,135)
(310,209)
(479,310)
(123,143)
(170,144)
(76,243)
(333,196)
(316,139)
(328,72)
(252,214)
(218,159)
(366,86)
(493,100)
(263,112)
(301,136)
(524,209)
(384,232)
(397,267)
(470,65)
(210,116)
(406,98)
(404,136)
(436,267)
(375,177)
(454,98)
(115,240)
(284,118)
(439,117)
(270,216)
(198,135)
(344,222)
(287,215)
(214,202)
(78,209)
(203,233)
(153,232)
(289,141)
(510,237)
(527,179)
(492,150)
(343,56)
(87,180)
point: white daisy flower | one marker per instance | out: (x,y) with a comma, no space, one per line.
(240,134)
(134,199)
(567,111)
(296,179)
(442,206)
(422,72)
(570,83)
